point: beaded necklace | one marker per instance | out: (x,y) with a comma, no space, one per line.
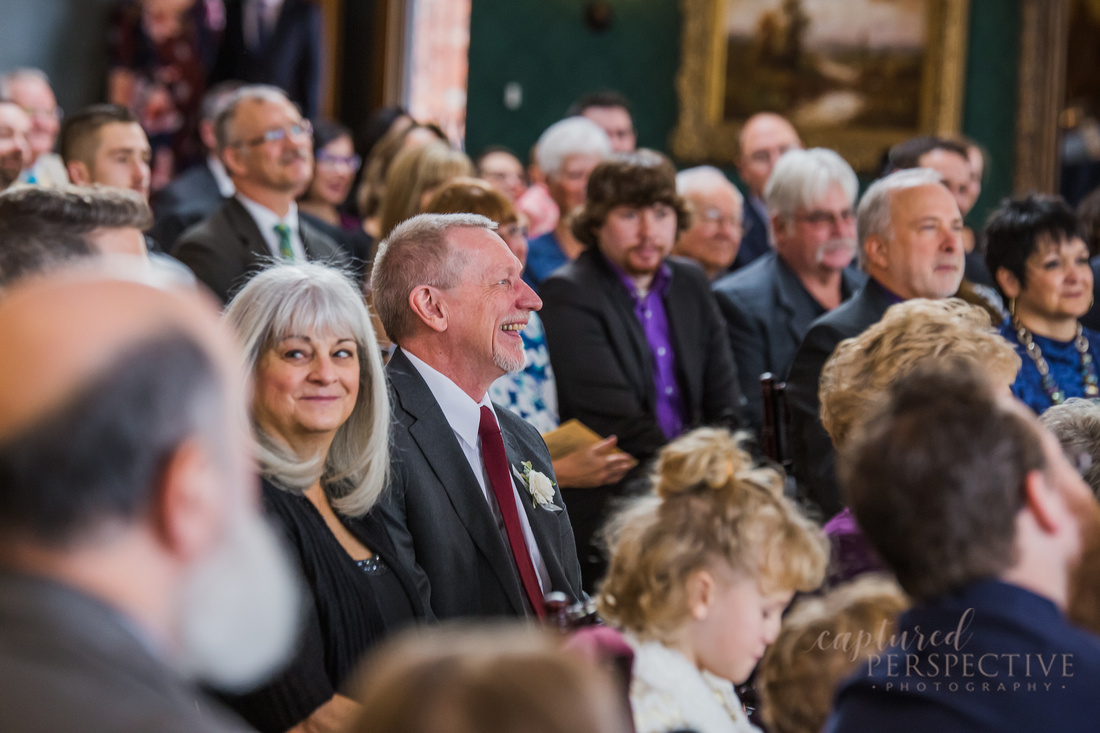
(1056,394)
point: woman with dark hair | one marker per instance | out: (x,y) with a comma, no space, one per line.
(638,346)
(1040,261)
(335,164)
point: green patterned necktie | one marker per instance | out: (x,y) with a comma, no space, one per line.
(285,250)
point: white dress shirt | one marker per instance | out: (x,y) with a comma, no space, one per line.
(266,219)
(464,417)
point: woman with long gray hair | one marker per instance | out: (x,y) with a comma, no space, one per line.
(320,417)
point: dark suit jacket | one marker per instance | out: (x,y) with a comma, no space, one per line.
(768,311)
(811,448)
(601,359)
(227,249)
(604,372)
(184,202)
(291,60)
(69,662)
(755,242)
(440,522)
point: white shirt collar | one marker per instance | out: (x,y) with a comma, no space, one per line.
(462,413)
(266,219)
(221,177)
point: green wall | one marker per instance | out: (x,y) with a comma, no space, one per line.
(545,46)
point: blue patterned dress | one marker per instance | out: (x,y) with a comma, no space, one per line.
(1065,367)
(531,393)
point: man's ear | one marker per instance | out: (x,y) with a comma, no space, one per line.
(427,304)
(231,159)
(1046,505)
(700,592)
(79,173)
(1009,283)
(188,511)
(875,251)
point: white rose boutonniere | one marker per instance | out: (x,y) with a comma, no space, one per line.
(539,485)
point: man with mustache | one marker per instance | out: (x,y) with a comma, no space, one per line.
(15,151)
(267,149)
(770,304)
(132,551)
(974,506)
(472,504)
(910,246)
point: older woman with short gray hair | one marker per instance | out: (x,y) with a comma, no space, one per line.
(320,414)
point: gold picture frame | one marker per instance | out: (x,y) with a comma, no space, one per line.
(704,132)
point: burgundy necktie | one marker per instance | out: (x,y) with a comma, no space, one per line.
(496,465)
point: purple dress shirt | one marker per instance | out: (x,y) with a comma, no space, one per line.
(649,309)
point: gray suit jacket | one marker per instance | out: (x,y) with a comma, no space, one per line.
(69,662)
(225,250)
(768,312)
(439,520)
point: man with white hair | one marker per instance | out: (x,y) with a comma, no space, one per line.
(132,550)
(770,304)
(567,152)
(472,504)
(910,245)
(714,236)
(30,89)
(267,148)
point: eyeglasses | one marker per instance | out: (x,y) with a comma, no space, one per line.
(821,218)
(715,217)
(329,160)
(46,114)
(277,135)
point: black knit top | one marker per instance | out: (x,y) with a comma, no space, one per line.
(349,608)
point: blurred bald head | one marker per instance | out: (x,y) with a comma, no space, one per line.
(114,374)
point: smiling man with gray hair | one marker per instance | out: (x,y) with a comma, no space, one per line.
(770,304)
(472,504)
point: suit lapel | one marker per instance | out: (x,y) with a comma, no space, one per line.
(684,323)
(630,342)
(245,230)
(439,447)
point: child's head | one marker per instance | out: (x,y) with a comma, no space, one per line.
(823,640)
(709,563)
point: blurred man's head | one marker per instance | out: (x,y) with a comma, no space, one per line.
(764,138)
(154,509)
(716,219)
(30,89)
(104,144)
(15,151)
(948,158)
(811,197)
(567,153)
(610,111)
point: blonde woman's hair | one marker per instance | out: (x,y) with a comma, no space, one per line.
(910,334)
(310,298)
(501,678)
(711,504)
(822,641)
(414,171)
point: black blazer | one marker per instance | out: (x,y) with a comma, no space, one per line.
(601,359)
(225,250)
(755,242)
(440,522)
(291,60)
(184,202)
(768,311)
(811,448)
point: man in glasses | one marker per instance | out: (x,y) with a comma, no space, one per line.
(770,304)
(267,148)
(764,137)
(714,236)
(30,89)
